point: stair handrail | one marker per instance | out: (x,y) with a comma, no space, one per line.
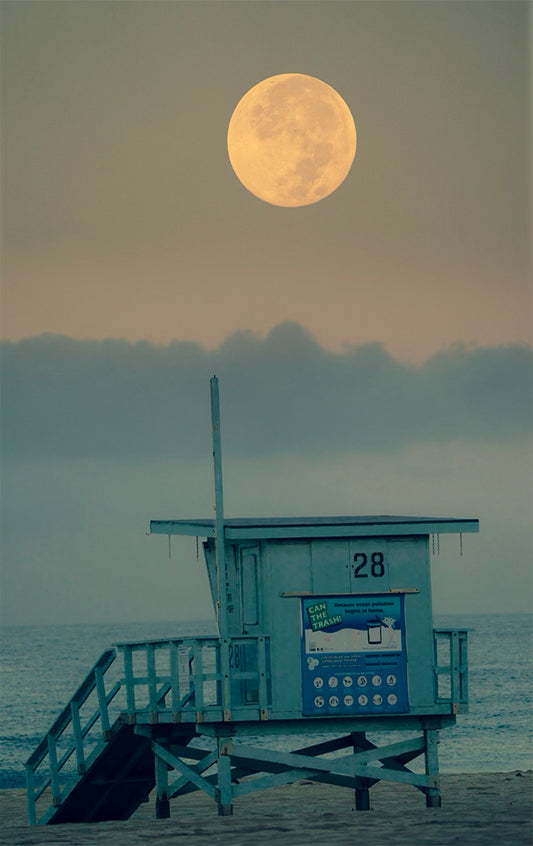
(70,714)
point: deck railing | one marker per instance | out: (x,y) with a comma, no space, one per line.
(184,680)
(450,664)
(197,678)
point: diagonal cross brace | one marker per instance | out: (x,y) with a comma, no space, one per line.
(185,770)
(207,761)
(395,762)
(272,780)
(353,764)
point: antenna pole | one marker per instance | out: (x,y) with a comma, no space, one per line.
(219,511)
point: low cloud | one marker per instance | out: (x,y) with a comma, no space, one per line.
(66,398)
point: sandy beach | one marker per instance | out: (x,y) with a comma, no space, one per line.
(481,808)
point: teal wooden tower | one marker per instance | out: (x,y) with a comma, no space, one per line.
(325,645)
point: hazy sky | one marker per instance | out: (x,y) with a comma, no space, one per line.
(374,349)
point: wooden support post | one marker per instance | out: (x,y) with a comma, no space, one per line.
(362,795)
(223,793)
(162,805)
(262,673)
(362,785)
(431,739)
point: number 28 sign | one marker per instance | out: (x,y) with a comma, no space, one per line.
(365,566)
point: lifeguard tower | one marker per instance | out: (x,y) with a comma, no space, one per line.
(325,635)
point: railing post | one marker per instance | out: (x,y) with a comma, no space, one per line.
(30,794)
(198,677)
(436,666)
(78,739)
(454,667)
(129,682)
(225,678)
(173,658)
(152,682)
(102,701)
(190,676)
(218,671)
(463,664)
(54,775)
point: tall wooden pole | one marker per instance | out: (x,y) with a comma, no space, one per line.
(219,512)
(220,559)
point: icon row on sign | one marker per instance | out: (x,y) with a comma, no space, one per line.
(348,700)
(347,681)
(377,699)
(376,680)
(333,701)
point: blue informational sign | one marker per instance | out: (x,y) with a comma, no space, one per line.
(353,655)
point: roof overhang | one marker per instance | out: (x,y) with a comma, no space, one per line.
(263,528)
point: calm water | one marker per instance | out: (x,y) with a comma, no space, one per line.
(41,667)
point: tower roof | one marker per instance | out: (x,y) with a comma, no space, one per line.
(249,528)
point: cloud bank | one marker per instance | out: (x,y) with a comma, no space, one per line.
(113,399)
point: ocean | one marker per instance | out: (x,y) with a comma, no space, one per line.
(42,666)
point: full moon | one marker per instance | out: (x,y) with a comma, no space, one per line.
(291,140)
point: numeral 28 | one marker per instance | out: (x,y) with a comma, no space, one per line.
(377,567)
(234,656)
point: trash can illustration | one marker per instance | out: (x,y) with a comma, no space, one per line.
(373,631)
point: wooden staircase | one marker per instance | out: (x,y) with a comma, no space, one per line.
(88,770)
(115,784)
(101,758)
